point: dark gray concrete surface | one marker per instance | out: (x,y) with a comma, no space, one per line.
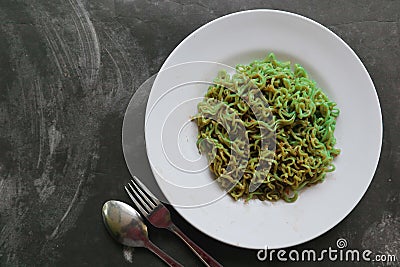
(67,72)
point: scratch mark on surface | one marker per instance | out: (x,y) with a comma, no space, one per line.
(54,138)
(91,43)
(1,185)
(128,253)
(40,102)
(124,58)
(71,204)
(119,74)
(23,99)
(64,49)
(120,48)
(44,186)
(52,44)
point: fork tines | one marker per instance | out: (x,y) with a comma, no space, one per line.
(141,196)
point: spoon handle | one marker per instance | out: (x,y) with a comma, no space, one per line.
(164,256)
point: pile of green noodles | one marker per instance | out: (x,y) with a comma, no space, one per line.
(292,146)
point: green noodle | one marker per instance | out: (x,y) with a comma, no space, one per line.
(292,146)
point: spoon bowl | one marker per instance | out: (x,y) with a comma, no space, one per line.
(126,226)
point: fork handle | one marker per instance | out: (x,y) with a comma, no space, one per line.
(204,256)
(164,256)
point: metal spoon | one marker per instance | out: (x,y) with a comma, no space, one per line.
(126,226)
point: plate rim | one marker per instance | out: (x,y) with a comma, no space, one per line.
(370,81)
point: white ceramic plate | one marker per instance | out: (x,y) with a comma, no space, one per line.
(241,38)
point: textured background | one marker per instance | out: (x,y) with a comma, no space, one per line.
(67,72)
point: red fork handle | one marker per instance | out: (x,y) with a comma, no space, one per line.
(164,256)
(204,256)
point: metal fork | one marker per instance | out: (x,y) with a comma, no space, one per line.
(158,215)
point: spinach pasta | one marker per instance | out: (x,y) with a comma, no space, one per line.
(287,123)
